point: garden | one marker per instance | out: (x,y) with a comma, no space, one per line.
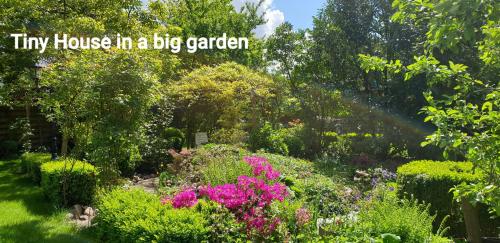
(380,123)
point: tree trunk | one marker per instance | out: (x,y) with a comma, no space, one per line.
(471,218)
(64,145)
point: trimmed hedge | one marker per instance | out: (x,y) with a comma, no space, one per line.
(67,182)
(431,181)
(138,216)
(31,162)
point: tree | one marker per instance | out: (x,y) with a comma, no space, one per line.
(466,116)
(211,18)
(227,96)
(102,100)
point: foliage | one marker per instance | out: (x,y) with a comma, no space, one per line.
(459,55)
(68,182)
(232,136)
(22,126)
(222,97)
(138,215)
(404,218)
(431,181)
(101,99)
(223,226)
(268,139)
(31,163)
(175,138)
(8,148)
(210,18)
(224,170)
(154,150)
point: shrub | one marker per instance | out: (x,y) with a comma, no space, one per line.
(222,224)
(405,218)
(267,138)
(224,170)
(230,136)
(8,148)
(174,137)
(68,182)
(135,214)
(431,181)
(31,162)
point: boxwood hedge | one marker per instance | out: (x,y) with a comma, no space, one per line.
(31,162)
(67,182)
(431,181)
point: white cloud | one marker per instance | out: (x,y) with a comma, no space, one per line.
(274,17)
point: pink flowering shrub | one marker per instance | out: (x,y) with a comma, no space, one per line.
(260,165)
(249,199)
(184,199)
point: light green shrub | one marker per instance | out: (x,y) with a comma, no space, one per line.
(138,216)
(67,182)
(224,170)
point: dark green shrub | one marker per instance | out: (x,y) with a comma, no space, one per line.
(268,139)
(8,148)
(431,181)
(69,182)
(138,216)
(175,138)
(31,162)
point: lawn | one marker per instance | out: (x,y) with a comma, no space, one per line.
(26,216)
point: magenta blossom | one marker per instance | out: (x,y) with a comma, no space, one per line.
(261,165)
(184,199)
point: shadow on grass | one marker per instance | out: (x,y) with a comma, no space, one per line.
(41,222)
(34,231)
(15,187)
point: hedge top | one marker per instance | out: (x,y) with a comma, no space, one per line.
(68,164)
(457,171)
(36,157)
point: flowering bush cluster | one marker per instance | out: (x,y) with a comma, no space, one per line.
(259,165)
(249,199)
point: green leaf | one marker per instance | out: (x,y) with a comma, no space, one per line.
(487,105)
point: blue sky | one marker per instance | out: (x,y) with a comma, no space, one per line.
(299,12)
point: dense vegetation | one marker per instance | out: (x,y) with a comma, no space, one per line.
(308,129)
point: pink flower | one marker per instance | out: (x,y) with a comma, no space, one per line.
(302,216)
(185,198)
(261,165)
(249,199)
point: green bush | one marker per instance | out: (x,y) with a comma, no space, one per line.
(31,162)
(69,182)
(268,139)
(233,136)
(175,138)
(405,218)
(8,148)
(138,216)
(431,181)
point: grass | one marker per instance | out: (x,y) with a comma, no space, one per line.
(25,214)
